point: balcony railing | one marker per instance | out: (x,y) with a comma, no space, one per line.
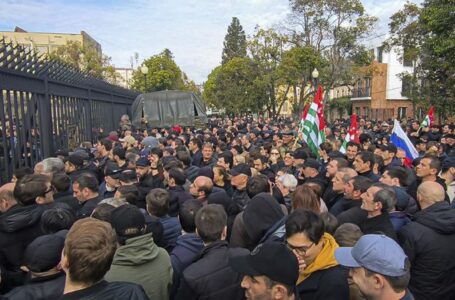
(361,92)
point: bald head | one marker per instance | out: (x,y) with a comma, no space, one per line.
(202,187)
(430,192)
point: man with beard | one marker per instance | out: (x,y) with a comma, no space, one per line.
(148,179)
(270,271)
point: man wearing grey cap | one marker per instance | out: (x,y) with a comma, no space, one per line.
(378,266)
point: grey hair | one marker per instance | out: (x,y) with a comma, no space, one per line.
(115,202)
(289,181)
(387,197)
(53,165)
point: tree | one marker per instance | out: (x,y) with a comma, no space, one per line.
(234,42)
(85,59)
(266,48)
(424,35)
(236,87)
(163,74)
(333,28)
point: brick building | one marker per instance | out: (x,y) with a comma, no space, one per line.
(378,92)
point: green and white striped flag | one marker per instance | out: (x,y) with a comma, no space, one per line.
(311,134)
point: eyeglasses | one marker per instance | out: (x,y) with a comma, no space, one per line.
(275,153)
(51,189)
(300,250)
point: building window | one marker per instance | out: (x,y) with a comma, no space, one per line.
(380,49)
(401,112)
(366,112)
(405,86)
(357,111)
(407,62)
(368,87)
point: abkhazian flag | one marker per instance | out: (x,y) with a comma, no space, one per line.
(314,121)
(428,118)
(352,134)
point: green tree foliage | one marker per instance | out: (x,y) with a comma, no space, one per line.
(85,59)
(333,28)
(236,86)
(163,74)
(425,36)
(234,41)
(266,48)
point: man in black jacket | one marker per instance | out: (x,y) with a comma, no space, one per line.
(176,180)
(45,278)
(270,272)
(240,175)
(378,266)
(211,276)
(377,201)
(429,242)
(19,224)
(89,249)
(85,189)
(363,164)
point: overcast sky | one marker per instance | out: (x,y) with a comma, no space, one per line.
(192,29)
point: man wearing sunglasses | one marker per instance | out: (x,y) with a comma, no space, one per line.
(320,278)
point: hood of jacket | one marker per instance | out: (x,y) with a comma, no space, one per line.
(136,251)
(20,217)
(403,198)
(190,242)
(261,213)
(440,217)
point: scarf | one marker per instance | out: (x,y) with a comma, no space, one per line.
(325,259)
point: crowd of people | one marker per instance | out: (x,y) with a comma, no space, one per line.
(239,209)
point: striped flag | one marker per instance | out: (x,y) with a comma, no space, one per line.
(428,121)
(401,140)
(352,134)
(313,124)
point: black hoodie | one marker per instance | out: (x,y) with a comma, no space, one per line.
(19,226)
(261,213)
(429,242)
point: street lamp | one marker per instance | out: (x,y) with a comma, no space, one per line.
(315,75)
(145,70)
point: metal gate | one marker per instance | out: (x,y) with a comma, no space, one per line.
(46,105)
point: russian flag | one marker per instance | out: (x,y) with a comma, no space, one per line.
(401,140)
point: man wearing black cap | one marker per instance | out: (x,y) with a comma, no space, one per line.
(138,259)
(111,180)
(388,153)
(87,256)
(240,175)
(73,166)
(311,173)
(146,180)
(269,272)
(46,279)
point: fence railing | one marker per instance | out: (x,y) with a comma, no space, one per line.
(46,105)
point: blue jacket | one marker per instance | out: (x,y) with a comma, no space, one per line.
(187,248)
(398,219)
(171,231)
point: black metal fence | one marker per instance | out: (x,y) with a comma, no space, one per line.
(46,105)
